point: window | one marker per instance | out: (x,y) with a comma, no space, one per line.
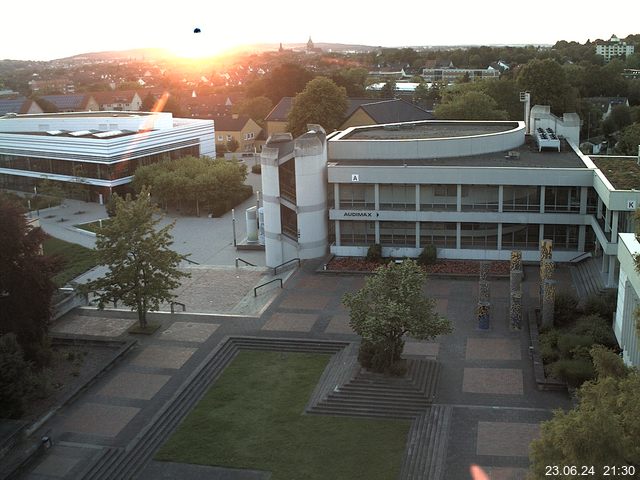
(520,198)
(479,235)
(353,232)
(562,199)
(520,236)
(440,234)
(397,197)
(438,197)
(398,234)
(480,198)
(564,237)
(357,197)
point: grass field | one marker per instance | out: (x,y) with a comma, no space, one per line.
(77,259)
(253,418)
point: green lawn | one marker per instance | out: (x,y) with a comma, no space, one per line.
(77,259)
(253,418)
(93,226)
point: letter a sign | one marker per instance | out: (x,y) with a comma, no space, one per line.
(355,177)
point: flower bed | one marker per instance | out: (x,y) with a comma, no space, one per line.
(441,267)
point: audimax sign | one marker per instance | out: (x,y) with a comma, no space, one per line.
(360,214)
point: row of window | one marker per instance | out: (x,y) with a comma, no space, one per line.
(90,170)
(473,197)
(444,235)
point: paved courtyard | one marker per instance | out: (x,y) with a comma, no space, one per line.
(486,377)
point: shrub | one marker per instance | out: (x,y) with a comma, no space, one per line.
(603,305)
(428,256)
(15,377)
(597,328)
(374,254)
(575,371)
(256,169)
(220,208)
(571,345)
(566,305)
(549,346)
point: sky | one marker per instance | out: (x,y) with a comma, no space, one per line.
(46,29)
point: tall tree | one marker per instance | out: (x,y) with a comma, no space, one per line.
(547,82)
(256,108)
(629,140)
(470,105)
(321,102)
(603,430)
(390,306)
(26,285)
(142,269)
(286,81)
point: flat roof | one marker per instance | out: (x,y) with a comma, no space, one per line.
(429,129)
(622,172)
(58,115)
(529,157)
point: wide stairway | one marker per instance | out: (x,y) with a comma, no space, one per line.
(587,278)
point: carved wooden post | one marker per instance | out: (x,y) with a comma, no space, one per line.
(483,297)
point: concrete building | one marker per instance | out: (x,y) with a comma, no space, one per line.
(475,190)
(614,48)
(98,149)
(625,322)
(450,75)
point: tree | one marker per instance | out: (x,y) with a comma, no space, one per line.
(255,108)
(321,102)
(26,285)
(232,145)
(390,306)
(148,102)
(286,81)
(602,430)
(628,140)
(470,105)
(547,82)
(388,90)
(142,269)
(16,378)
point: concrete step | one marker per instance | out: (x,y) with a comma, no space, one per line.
(375,402)
(364,411)
(426,445)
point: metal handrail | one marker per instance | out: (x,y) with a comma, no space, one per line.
(255,290)
(190,261)
(238,259)
(275,269)
(184,307)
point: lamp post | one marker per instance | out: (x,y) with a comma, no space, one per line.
(233,224)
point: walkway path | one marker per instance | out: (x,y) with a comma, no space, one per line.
(486,383)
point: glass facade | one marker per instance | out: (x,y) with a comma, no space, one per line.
(354,233)
(357,197)
(398,234)
(480,198)
(440,234)
(520,198)
(397,197)
(479,236)
(562,199)
(520,236)
(438,197)
(91,170)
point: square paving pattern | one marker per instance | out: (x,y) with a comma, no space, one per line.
(506,381)
(339,324)
(291,322)
(319,283)
(163,357)
(142,386)
(305,302)
(493,349)
(56,465)
(422,349)
(98,419)
(189,331)
(94,326)
(505,439)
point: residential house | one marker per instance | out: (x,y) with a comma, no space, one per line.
(118,100)
(385,111)
(239,127)
(73,103)
(18,105)
(606,104)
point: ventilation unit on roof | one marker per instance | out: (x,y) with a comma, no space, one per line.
(547,139)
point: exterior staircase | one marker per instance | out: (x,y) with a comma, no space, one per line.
(587,278)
